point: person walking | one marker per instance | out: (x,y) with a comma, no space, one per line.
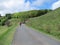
(20,23)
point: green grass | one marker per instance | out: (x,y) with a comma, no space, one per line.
(2,29)
(48,23)
(7,33)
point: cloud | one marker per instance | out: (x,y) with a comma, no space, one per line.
(11,6)
(56,5)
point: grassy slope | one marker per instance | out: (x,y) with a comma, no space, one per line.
(7,33)
(49,23)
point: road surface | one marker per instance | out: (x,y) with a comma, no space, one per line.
(27,36)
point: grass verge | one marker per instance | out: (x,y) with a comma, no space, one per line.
(7,33)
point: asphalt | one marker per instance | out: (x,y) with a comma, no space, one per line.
(28,36)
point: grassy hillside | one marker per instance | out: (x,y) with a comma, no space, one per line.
(7,33)
(49,23)
(7,29)
(30,14)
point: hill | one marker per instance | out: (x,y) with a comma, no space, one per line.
(48,23)
(30,14)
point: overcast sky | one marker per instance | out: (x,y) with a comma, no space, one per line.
(11,6)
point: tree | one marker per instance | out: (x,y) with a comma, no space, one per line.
(8,16)
(0,15)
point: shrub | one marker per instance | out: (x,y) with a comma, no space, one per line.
(7,23)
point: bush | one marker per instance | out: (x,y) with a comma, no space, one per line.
(7,23)
(8,16)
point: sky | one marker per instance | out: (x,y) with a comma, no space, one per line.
(12,6)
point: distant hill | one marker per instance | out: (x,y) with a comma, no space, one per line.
(49,23)
(30,14)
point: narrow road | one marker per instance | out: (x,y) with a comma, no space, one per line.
(27,36)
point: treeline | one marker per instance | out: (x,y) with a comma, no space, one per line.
(3,19)
(30,14)
(23,15)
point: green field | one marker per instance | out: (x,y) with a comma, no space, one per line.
(7,33)
(48,23)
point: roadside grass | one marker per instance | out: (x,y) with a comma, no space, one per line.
(2,29)
(7,33)
(48,23)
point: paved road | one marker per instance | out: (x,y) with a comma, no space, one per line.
(27,36)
